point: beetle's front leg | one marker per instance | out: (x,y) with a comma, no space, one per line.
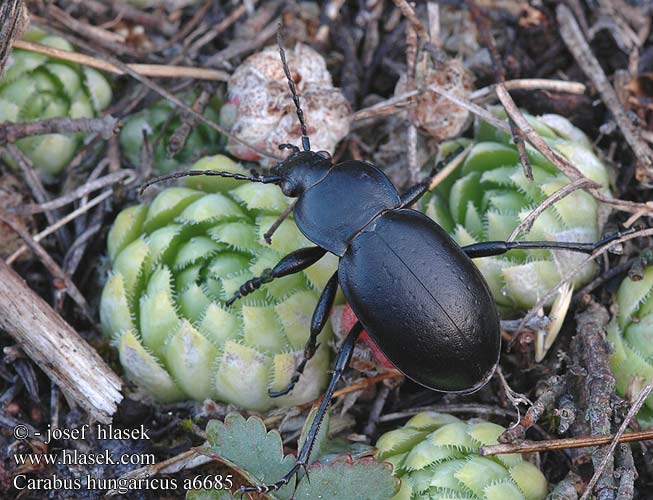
(292,263)
(320,317)
(344,356)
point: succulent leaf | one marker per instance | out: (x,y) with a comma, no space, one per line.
(159,122)
(489,195)
(36,87)
(435,456)
(631,338)
(176,260)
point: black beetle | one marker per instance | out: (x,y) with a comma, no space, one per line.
(411,286)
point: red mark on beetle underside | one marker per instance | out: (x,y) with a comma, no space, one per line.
(348,320)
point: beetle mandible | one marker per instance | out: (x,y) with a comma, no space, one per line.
(412,287)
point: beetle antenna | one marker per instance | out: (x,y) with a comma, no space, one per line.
(264,179)
(306,144)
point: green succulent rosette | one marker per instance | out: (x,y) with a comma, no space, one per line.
(177,260)
(201,141)
(436,457)
(36,87)
(631,336)
(488,196)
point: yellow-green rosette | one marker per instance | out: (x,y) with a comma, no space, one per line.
(436,457)
(631,336)
(36,87)
(176,260)
(488,196)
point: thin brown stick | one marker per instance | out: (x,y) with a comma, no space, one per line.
(62,280)
(526,225)
(36,187)
(617,438)
(105,126)
(411,133)
(482,113)
(222,26)
(150,70)
(561,163)
(188,123)
(562,444)
(576,44)
(397,103)
(188,27)
(57,349)
(275,225)
(125,176)
(409,13)
(561,86)
(60,223)
(366,382)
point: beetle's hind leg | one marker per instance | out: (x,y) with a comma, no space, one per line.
(415,192)
(320,317)
(491,248)
(344,356)
(292,263)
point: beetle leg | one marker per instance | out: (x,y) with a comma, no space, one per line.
(344,356)
(320,317)
(490,248)
(415,192)
(292,263)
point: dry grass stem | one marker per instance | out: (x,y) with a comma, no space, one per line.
(526,224)
(60,223)
(575,41)
(150,70)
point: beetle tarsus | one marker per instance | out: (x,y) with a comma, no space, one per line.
(342,362)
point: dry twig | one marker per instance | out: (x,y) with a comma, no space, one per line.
(619,437)
(580,49)
(56,348)
(150,70)
(106,126)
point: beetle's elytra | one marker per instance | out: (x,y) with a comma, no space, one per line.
(411,286)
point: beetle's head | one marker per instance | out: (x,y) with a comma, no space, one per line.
(301,170)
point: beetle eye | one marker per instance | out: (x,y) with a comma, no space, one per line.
(324,154)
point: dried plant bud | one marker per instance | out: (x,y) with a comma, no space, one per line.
(260,109)
(487,197)
(35,87)
(174,264)
(436,457)
(631,335)
(432,113)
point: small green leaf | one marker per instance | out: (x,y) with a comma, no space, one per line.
(363,479)
(253,452)
(257,455)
